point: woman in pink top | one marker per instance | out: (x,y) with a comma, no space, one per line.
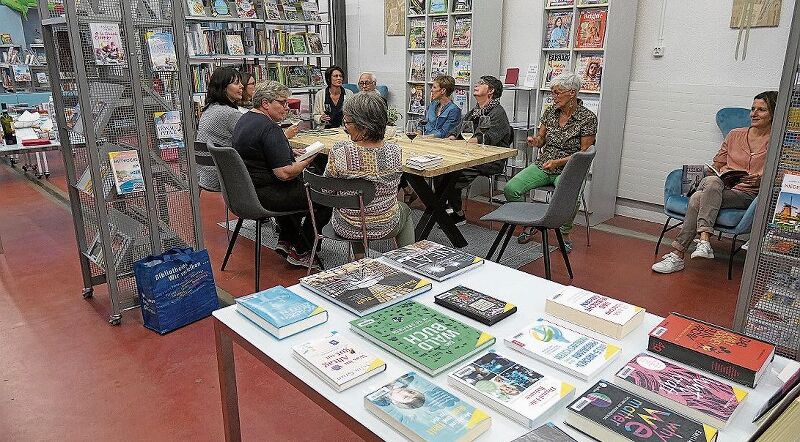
(743,149)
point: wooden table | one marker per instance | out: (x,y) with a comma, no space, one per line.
(456,156)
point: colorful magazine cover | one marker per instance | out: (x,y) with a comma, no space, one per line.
(556,63)
(591,29)
(462,33)
(416,34)
(786,217)
(22,72)
(462,69)
(417,72)
(437,7)
(246,9)
(196,8)
(416,99)
(127,171)
(219,8)
(439,32)
(162,51)
(590,68)
(107,44)
(439,64)
(559,29)
(314,43)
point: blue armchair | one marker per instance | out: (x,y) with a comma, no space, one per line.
(381,89)
(732,117)
(351,87)
(733,222)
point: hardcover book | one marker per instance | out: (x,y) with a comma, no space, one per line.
(559,29)
(476,305)
(590,68)
(161,46)
(416,99)
(439,32)
(681,389)
(609,413)
(425,412)
(127,171)
(280,311)
(107,44)
(416,34)
(365,285)
(462,68)
(556,63)
(440,64)
(462,5)
(196,8)
(546,433)
(514,390)
(437,7)
(425,338)
(786,218)
(711,348)
(338,362)
(462,32)
(599,313)
(417,69)
(433,260)
(563,348)
(246,9)
(591,30)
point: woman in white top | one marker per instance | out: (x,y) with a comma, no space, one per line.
(328,102)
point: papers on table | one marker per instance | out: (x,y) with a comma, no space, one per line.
(424,162)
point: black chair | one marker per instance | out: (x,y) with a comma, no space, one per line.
(202,157)
(543,216)
(240,196)
(338,193)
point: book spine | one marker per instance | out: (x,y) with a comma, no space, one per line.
(702,361)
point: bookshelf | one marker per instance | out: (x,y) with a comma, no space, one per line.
(767,307)
(279,40)
(23,69)
(462,43)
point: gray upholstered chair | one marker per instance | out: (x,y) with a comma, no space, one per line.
(240,196)
(203,158)
(543,216)
(338,193)
(551,188)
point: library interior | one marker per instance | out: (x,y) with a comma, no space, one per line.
(390,220)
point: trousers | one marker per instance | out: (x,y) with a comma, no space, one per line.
(531,178)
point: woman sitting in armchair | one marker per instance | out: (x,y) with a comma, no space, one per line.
(744,149)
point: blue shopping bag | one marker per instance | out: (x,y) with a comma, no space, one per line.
(175,288)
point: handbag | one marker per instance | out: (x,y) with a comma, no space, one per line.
(175,288)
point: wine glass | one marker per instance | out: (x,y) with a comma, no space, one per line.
(467,130)
(411,129)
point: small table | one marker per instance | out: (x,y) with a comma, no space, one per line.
(41,167)
(456,156)
(526,291)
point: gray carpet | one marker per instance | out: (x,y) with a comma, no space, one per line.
(479,239)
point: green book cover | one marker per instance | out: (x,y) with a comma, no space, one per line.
(422,336)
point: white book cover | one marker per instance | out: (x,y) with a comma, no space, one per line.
(161,46)
(107,44)
(127,171)
(338,359)
(168,125)
(597,305)
(506,385)
(563,348)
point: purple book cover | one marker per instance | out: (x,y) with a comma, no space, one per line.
(683,385)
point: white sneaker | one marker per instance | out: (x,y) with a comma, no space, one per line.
(746,245)
(671,263)
(703,250)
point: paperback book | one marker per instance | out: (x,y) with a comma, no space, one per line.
(416,34)
(439,32)
(684,390)
(220,8)
(462,5)
(786,218)
(559,29)
(297,76)
(433,260)
(161,46)
(417,69)
(590,68)
(609,413)
(556,63)
(127,171)
(462,68)
(338,362)
(416,99)
(514,390)
(462,32)
(714,349)
(547,432)
(297,43)
(310,11)
(107,44)
(314,43)
(437,7)
(280,311)
(564,349)
(439,64)
(315,76)
(461,98)
(234,44)
(22,72)
(475,305)
(271,10)
(246,9)
(365,285)
(290,11)
(423,337)
(591,30)
(425,412)
(596,312)
(169,130)
(416,7)
(691,176)
(196,8)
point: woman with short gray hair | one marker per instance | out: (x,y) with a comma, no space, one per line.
(367,155)
(566,128)
(270,91)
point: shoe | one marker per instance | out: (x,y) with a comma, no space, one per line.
(746,245)
(458,220)
(703,250)
(283,248)
(568,246)
(301,259)
(670,264)
(525,237)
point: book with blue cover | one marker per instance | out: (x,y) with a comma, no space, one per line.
(280,311)
(425,412)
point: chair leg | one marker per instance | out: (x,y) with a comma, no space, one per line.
(497,241)
(730,258)
(313,253)
(563,248)
(227,222)
(546,254)
(509,234)
(663,231)
(586,217)
(258,252)
(232,242)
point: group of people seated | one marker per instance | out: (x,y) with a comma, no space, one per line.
(246,115)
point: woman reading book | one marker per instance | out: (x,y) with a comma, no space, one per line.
(744,149)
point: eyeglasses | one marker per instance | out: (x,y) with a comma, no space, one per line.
(283,103)
(555,92)
(365,83)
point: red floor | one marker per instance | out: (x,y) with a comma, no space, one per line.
(66,374)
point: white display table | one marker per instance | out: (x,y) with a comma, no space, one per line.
(528,292)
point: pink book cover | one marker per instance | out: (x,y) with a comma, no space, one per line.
(683,385)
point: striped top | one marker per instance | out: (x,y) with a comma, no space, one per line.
(381,165)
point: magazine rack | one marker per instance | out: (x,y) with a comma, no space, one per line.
(768,306)
(105,101)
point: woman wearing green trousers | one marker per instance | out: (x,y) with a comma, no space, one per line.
(565,128)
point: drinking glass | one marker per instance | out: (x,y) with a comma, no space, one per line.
(467,130)
(411,129)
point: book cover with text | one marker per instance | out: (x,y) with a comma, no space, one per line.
(107,44)
(559,29)
(591,29)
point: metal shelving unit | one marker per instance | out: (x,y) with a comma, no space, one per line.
(768,306)
(118,103)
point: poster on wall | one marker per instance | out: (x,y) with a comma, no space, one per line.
(755,13)
(394,17)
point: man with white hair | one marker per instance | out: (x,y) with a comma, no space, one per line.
(367,82)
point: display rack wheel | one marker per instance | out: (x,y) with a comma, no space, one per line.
(47,174)
(115,320)
(87,293)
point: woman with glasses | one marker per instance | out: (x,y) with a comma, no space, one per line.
(249,83)
(367,155)
(328,102)
(218,118)
(566,128)
(442,115)
(270,161)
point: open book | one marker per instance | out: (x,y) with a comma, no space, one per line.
(311,150)
(729,178)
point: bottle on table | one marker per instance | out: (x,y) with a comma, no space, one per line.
(7,123)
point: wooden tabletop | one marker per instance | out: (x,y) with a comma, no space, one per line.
(456,154)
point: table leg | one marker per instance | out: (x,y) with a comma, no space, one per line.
(435,209)
(227,384)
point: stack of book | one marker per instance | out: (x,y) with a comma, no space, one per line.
(424,162)
(337,362)
(280,311)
